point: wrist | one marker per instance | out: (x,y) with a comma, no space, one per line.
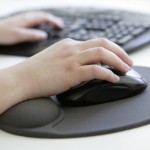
(12,90)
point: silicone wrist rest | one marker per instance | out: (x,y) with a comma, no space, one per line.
(44,118)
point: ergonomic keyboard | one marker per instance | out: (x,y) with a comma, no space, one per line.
(128,29)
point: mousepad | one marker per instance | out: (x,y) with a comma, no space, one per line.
(44,118)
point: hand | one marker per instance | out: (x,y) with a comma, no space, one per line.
(18,29)
(69,63)
(59,68)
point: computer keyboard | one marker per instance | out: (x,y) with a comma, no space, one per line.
(127,29)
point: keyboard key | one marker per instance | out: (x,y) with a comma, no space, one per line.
(124,39)
(119,35)
(113,39)
(137,31)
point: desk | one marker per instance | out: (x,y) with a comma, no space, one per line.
(134,139)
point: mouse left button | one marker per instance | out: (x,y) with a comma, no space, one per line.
(31,114)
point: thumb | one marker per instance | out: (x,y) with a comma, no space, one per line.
(31,35)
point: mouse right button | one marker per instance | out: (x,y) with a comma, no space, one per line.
(133,73)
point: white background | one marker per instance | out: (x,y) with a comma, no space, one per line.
(135,139)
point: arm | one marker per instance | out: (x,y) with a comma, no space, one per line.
(60,67)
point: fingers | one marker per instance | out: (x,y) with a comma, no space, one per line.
(35,18)
(32,35)
(90,72)
(23,35)
(109,46)
(99,54)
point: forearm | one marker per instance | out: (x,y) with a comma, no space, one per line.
(11,90)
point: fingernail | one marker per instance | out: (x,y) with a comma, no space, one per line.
(130,62)
(116,78)
(61,25)
(126,69)
(60,22)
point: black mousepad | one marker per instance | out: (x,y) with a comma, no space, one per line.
(44,118)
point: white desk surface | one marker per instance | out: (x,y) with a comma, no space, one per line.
(134,139)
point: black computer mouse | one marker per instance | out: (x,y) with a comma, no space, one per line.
(101,91)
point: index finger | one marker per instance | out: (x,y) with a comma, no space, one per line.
(36,18)
(102,42)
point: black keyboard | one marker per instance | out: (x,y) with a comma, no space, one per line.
(127,29)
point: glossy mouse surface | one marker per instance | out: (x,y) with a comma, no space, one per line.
(100,91)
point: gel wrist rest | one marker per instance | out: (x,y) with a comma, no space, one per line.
(44,118)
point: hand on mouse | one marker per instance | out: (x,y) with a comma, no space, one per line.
(16,29)
(59,68)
